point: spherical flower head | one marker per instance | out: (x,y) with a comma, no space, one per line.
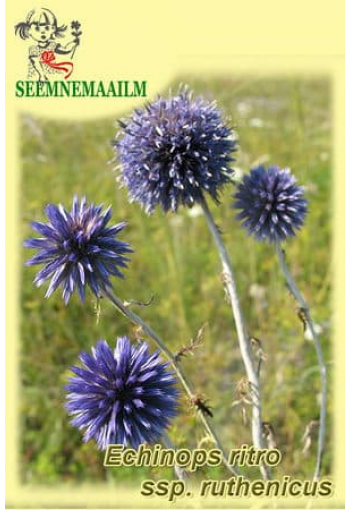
(272,207)
(78,249)
(126,396)
(173,151)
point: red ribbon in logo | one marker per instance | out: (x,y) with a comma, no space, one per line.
(48,58)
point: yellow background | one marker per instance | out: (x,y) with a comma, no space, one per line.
(157,41)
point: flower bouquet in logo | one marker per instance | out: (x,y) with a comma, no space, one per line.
(41,26)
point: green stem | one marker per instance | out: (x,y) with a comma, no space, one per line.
(321,363)
(243,339)
(135,319)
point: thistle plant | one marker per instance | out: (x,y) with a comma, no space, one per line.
(174,152)
(125,396)
(80,251)
(272,208)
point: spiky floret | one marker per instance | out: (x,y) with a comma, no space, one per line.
(78,249)
(174,151)
(126,396)
(272,206)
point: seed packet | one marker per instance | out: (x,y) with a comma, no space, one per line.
(174,239)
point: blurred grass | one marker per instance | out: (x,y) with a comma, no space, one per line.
(282,121)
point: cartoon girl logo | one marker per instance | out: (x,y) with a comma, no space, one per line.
(42,27)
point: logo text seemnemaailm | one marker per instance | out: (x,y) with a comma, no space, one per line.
(81,88)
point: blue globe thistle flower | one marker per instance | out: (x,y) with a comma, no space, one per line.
(126,396)
(78,249)
(272,205)
(173,151)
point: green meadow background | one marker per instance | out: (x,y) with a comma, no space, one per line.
(284,121)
